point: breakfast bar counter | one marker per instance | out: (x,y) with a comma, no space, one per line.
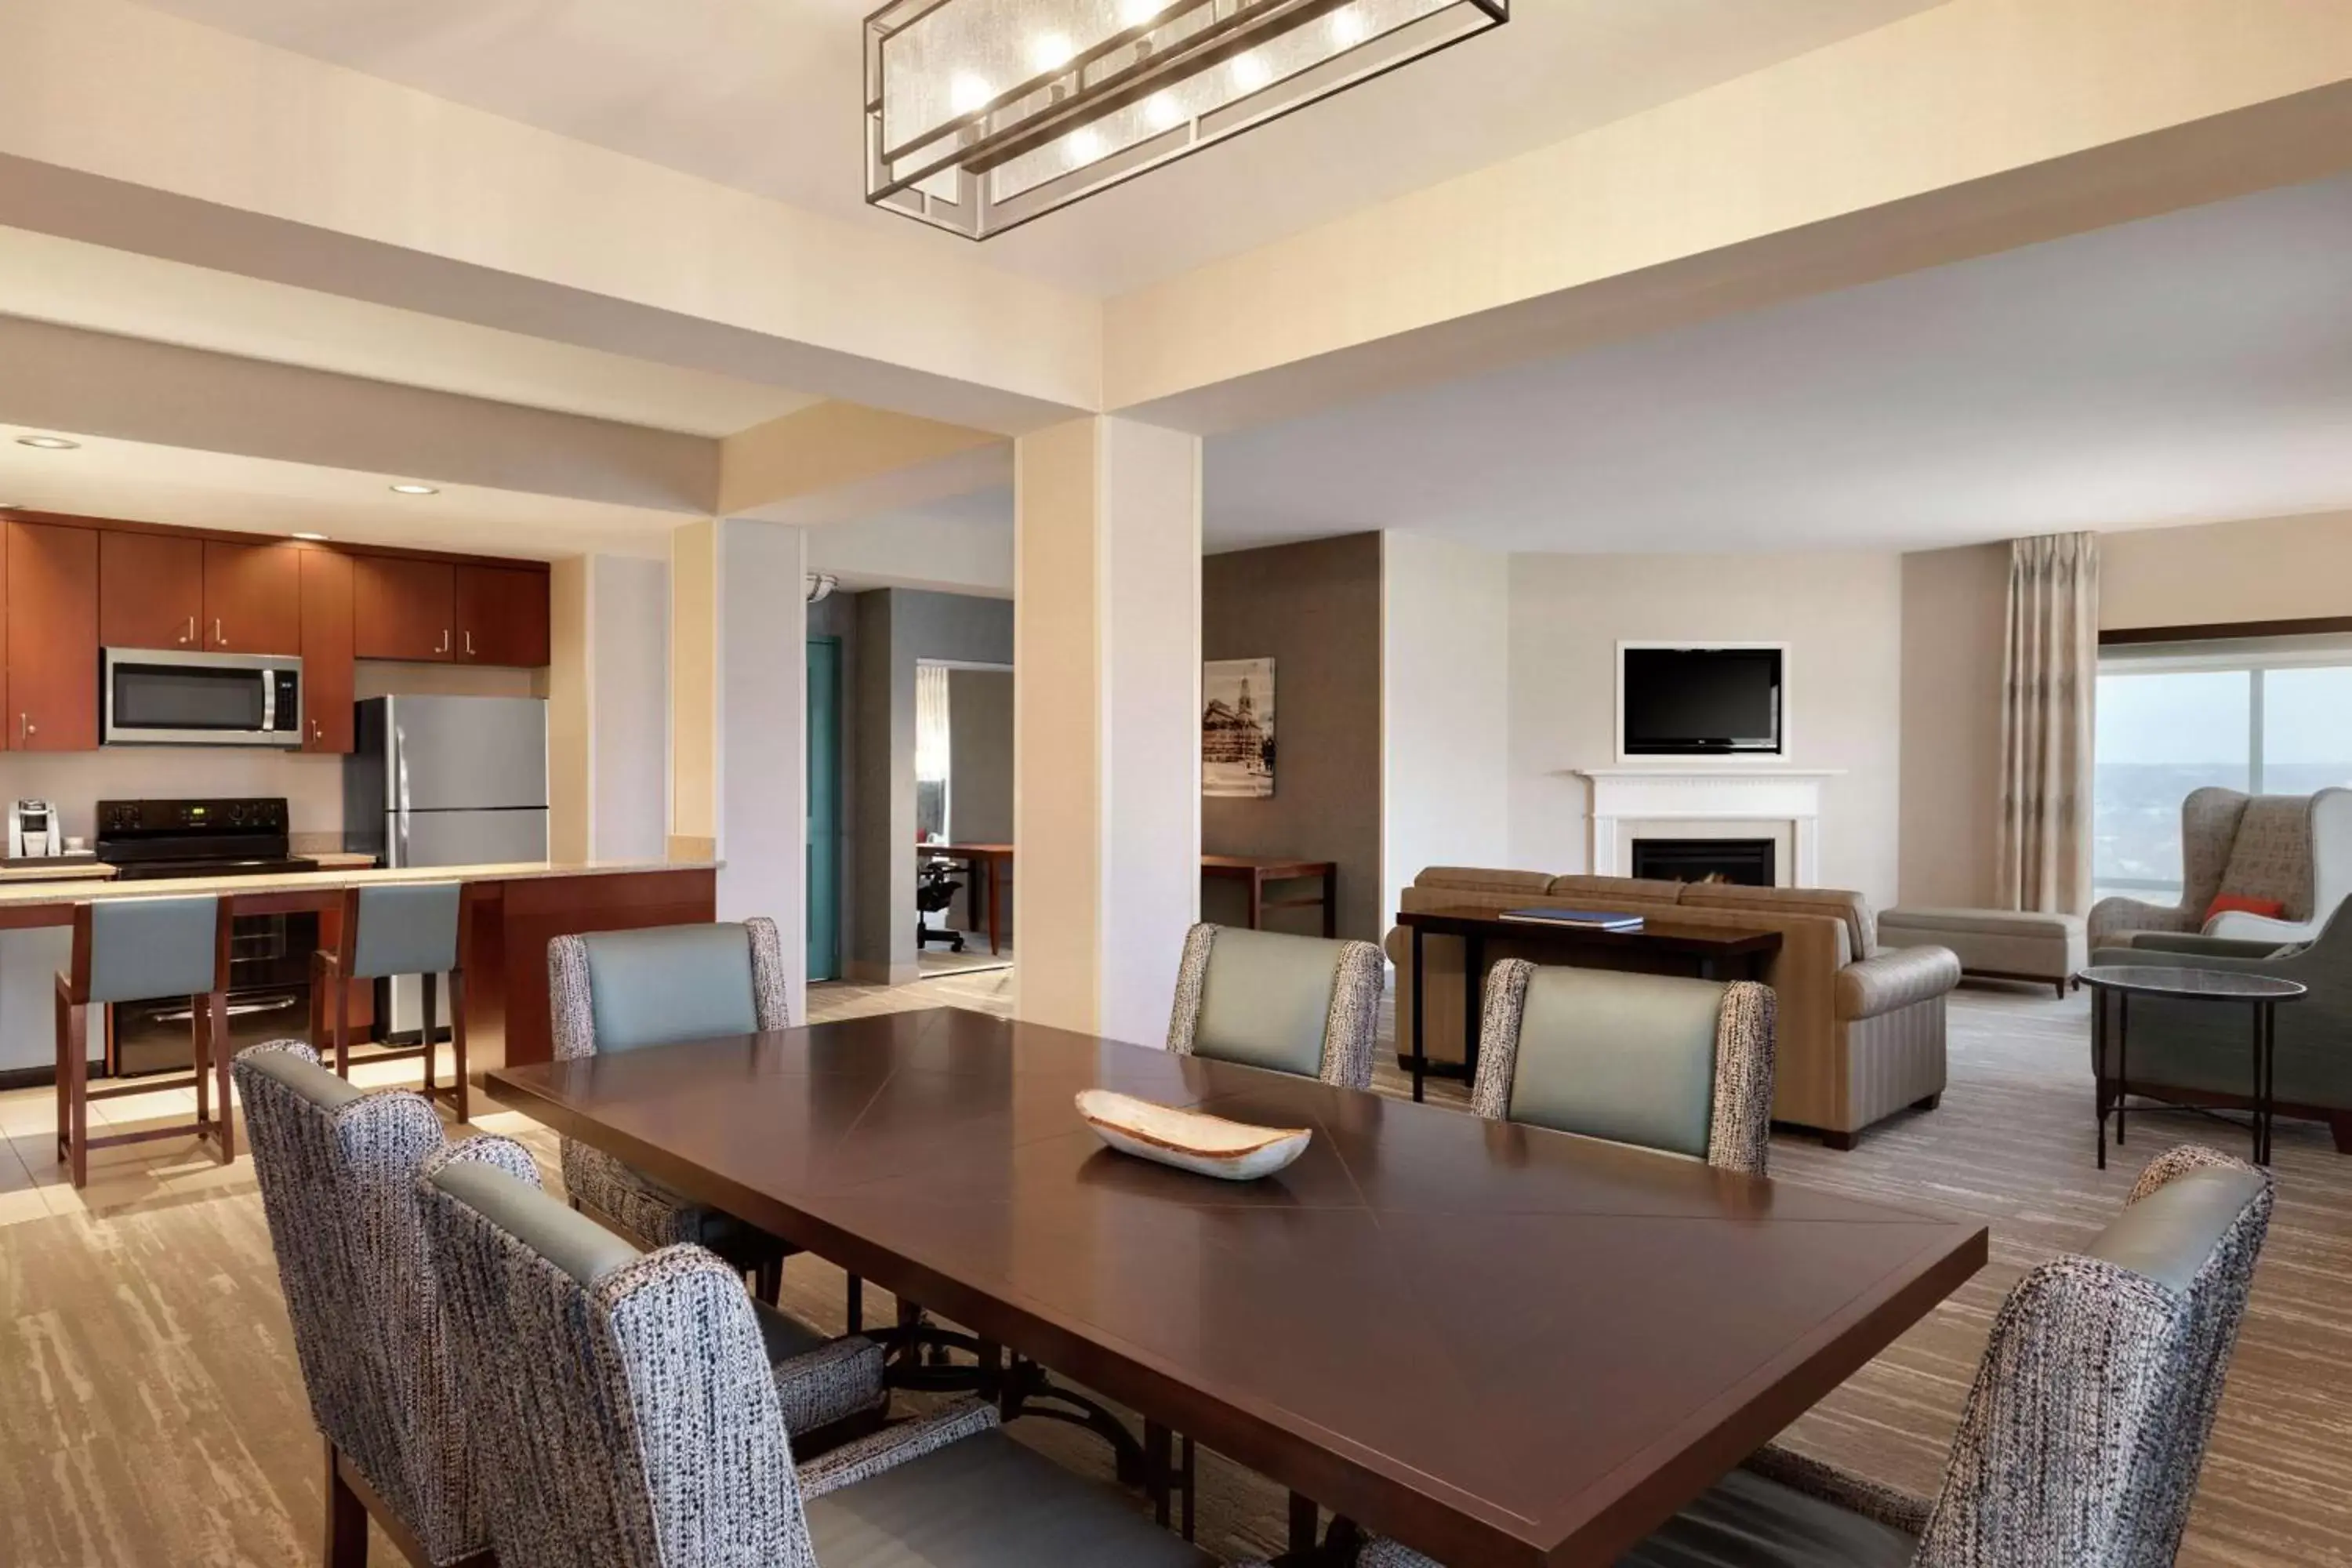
(512,911)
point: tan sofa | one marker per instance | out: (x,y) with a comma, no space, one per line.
(1861,1031)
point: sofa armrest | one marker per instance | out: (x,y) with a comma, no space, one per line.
(1896,977)
(2111,916)
(2200,946)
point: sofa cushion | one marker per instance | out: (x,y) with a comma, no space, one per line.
(2240,903)
(1862,926)
(1646,890)
(1482,879)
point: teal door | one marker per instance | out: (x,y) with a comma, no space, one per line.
(824,808)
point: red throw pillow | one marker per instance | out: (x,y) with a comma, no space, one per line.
(2269,908)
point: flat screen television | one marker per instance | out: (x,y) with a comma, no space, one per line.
(1700,701)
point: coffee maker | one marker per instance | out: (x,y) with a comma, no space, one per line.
(35,830)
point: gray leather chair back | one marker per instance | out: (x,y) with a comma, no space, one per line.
(624,990)
(2085,1432)
(407,930)
(140,948)
(1661,1061)
(1289,1004)
(639,1422)
(338,1170)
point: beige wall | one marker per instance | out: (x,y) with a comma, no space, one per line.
(1841,615)
(1955,604)
(571,791)
(1955,614)
(694,688)
(2268,569)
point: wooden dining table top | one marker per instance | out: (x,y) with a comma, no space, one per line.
(1499,1344)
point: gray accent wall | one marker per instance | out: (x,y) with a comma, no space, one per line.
(1315,609)
(980,764)
(895,628)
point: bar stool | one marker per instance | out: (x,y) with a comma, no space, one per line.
(402,929)
(135,950)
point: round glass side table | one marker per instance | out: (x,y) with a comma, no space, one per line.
(2260,994)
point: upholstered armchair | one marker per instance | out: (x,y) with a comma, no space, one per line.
(1665,1062)
(638,1425)
(2082,1439)
(2296,850)
(2198,1053)
(1298,1004)
(626,990)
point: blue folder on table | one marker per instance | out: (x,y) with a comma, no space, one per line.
(1584,919)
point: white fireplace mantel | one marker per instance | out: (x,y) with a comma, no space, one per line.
(1698,801)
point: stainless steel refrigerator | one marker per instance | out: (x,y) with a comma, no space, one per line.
(446,781)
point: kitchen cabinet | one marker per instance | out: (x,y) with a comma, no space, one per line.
(150,590)
(502,616)
(327,650)
(253,598)
(402,608)
(52,637)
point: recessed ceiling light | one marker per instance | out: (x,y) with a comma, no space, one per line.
(313,537)
(47,443)
(416,489)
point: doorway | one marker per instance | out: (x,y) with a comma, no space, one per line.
(824,808)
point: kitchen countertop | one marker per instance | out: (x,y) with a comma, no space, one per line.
(75,871)
(48,887)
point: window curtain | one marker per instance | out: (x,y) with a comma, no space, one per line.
(931,750)
(2051,670)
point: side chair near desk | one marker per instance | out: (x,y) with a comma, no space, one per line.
(136,950)
(387,931)
(2082,1438)
(340,1172)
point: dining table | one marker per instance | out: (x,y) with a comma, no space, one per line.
(1500,1346)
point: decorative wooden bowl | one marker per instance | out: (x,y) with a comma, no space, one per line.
(1190,1139)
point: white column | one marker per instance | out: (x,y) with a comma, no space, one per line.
(740,721)
(1106,724)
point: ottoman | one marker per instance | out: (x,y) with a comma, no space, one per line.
(1996,945)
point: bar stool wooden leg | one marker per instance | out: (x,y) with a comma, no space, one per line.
(432,1031)
(458,1085)
(73,1086)
(220,1051)
(196,1015)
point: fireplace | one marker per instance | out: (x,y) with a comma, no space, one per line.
(1746,862)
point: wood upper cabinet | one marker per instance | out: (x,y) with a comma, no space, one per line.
(502,616)
(327,653)
(52,637)
(150,591)
(403,608)
(253,599)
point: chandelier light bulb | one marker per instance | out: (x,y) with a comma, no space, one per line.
(967,92)
(1050,51)
(1161,112)
(1135,13)
(1348,27)
(1086,144)
(1250,72)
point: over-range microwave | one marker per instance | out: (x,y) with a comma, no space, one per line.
(157,697)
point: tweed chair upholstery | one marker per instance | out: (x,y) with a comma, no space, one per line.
(338,1188)
(609,1189)
(1739,1127)
(2082,1434)
(1349,1026)
(641,1428)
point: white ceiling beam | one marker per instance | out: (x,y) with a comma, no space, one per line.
(1972,127)
(130,128)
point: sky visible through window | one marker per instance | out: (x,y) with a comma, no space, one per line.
(2162,733)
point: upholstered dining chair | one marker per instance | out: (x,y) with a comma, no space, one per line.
(1299,1004)
(1660,1060)
(638,1428)
(339,1170)
(2082,1438)
(625,990)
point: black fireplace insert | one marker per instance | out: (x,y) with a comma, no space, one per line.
(1744,862)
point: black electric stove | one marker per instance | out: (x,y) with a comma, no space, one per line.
(269,955)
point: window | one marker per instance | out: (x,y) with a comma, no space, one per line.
(2273,720)
(931,752)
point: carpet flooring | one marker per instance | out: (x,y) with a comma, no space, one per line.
(153,1412)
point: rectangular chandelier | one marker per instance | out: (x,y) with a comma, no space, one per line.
(983,114)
